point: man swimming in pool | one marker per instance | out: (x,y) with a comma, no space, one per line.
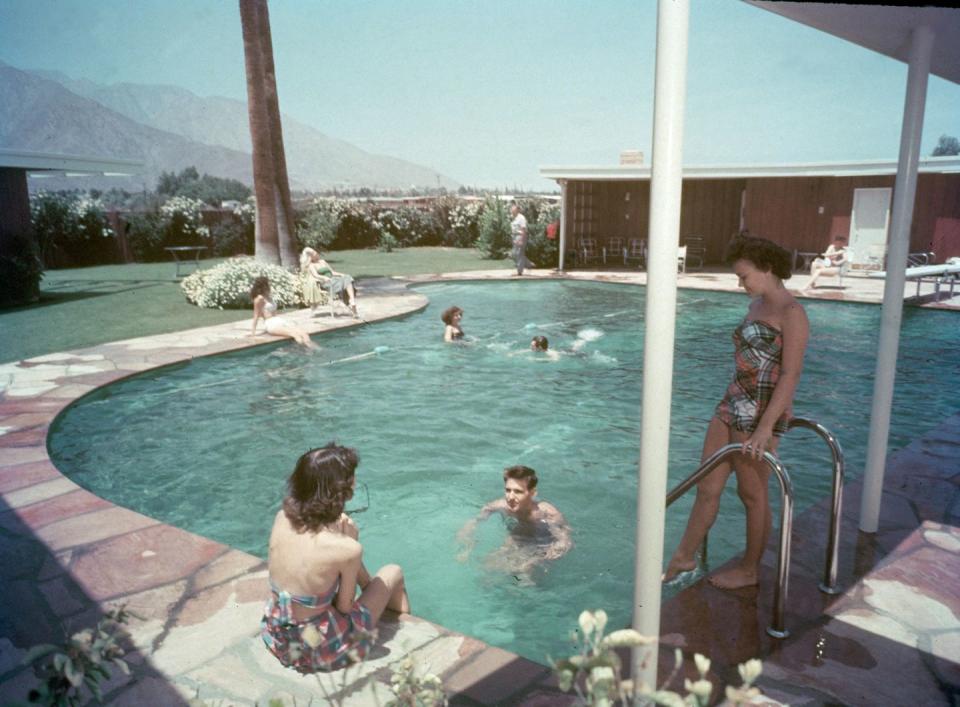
(537,530)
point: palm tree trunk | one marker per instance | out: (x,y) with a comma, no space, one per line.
(267,246)
(285,222)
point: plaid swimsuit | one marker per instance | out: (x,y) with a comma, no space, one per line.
(322,642)
(758,349)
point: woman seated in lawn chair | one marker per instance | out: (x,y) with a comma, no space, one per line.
(320,280)
(830,263)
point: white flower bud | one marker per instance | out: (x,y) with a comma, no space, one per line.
(700,688)
(750,670)
(703,664)
(601,619)
(586,622)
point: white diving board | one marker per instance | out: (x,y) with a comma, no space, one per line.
(924,271)
(938,274)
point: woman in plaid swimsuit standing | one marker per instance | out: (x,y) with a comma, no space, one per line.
(768,348)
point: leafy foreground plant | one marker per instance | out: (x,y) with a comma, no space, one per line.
(82,662)
(597,667)
(410,687)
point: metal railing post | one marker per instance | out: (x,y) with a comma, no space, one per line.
(829,583)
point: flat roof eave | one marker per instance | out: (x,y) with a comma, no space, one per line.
(50,162)
(611,173)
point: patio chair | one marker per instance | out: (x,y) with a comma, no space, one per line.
(682,258)
(696,249)
(587,251)
(615,249)
(636,250)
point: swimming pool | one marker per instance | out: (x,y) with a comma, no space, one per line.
(207,445)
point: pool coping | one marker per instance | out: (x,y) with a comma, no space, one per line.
(69,554)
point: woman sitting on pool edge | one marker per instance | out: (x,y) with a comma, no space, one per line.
(451,317)
(313,622)
(265,308)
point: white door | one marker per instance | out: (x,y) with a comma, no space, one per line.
(869,222)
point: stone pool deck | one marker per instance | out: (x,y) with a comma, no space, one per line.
(893,637)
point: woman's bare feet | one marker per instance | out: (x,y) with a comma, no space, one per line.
(734,578)
(678,566)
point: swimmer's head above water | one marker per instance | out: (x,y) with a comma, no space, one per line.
(519,488)
(449,313)
(539,343)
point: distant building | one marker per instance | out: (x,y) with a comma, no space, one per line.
(800,206)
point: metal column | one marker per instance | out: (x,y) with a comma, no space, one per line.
(904,193)
(665,189)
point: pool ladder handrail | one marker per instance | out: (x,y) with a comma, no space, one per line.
(829,583)
(777,628)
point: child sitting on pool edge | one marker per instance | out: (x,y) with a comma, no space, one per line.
(537,530)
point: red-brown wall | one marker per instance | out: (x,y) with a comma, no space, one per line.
(784,209)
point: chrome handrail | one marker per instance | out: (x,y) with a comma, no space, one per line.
(829,583)
(777,628)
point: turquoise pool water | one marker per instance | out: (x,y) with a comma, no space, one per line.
(207,445)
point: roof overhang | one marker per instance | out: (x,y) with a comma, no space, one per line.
(935,165)
(885,29)
(47,164)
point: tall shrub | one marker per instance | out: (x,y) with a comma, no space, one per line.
(541,250)
(494,240)
(318,226)
(20,272)
(463,222)
(72,229)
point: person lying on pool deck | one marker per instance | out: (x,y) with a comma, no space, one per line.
(313,620)
(537,530)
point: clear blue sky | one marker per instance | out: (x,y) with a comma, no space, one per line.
(488,91)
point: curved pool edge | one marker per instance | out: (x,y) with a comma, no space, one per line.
(68,554)
(199,602)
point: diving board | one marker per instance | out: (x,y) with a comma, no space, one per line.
(947,272)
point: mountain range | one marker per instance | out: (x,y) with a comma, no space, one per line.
(170,128)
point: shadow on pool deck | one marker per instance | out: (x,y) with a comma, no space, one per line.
(66,554)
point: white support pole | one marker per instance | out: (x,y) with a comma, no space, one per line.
(563,223)
(664,237)
(904,193)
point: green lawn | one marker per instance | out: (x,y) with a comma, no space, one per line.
(88,306)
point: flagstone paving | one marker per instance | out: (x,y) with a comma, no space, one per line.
(67,555)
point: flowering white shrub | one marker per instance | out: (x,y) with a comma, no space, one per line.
(595,672)
(186,213)
(90,216)
(227,285)
(247,211)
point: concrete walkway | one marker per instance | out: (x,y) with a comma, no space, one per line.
(67,555)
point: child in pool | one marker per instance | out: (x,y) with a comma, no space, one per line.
(537,530)
(451,318)
(540,344)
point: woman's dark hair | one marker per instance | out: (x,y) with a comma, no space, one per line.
(261,286)
(320,486)
(765,255)
(448,313)
(541,343)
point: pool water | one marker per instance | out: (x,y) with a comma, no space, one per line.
(207,445)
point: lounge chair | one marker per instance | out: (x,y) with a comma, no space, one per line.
(587,251)
(636,250)
(614,248)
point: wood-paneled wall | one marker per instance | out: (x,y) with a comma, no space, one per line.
(802,213)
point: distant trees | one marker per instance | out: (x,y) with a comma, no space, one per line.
(211,190)
(947,145)
(275,236)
